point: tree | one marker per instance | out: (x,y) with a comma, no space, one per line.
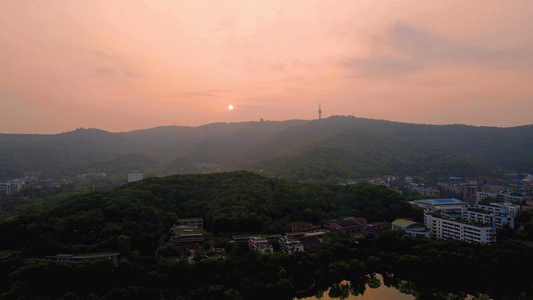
(124,246)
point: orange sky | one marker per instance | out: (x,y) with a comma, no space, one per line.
(125,64)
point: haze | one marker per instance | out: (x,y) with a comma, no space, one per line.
(126,65)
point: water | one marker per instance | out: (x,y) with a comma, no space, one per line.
(342,291)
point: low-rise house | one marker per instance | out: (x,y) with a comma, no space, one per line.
(191,222)
(406,224)
(187,233)
(310,241)
(289,244)
(347,227)
(380,225)
(410,227)
(375,229)
(426,191)
(361,221)
(371,232)
(260,244)
(186,236)
(528,205)
(300,226)
(327,224)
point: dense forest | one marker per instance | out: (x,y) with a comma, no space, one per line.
(134,221)
(230,203)
(330,149)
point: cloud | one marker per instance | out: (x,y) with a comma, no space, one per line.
(198,94)
(106,56)
(106,72)
(219,91)
(115,67)
(409,49)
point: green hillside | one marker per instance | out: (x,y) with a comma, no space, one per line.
(230,203)
(134,220)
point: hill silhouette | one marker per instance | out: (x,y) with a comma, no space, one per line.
(327,149)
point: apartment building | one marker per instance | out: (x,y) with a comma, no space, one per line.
(446,229)
(506,196)
(453,219)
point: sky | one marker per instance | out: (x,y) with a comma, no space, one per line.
(124,65)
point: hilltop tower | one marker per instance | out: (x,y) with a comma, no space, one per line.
(319,112)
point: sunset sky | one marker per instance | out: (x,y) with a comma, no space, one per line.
(126,64)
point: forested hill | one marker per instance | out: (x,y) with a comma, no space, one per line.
(134,220)
(230,203)
(328,149)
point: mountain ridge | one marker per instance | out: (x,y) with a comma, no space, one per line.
(362,147)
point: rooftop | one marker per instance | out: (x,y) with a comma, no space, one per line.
(299,223)
(309,240)
(187,230)
(444,201)
(348,224)
(408,224)
(461,221)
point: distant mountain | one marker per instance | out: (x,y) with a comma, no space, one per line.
(351,147)
(327,149)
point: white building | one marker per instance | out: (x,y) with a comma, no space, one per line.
(440,204)
(444,229)
(499,207)
(135,176)
(503,196)
(11,187)
(494,214)
(452,219)
(487,218)
(451,207)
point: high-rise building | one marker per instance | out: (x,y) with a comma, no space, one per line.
(135,176)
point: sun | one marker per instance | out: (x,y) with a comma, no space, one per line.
(230,107)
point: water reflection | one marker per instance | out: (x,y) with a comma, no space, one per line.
(372,288)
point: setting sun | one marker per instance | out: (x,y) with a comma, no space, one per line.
(230,107)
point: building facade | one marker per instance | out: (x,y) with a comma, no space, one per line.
(452,219)
(135,176)
(446,229)
(11,187)
(260,245)
(300,226)
(288,244)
